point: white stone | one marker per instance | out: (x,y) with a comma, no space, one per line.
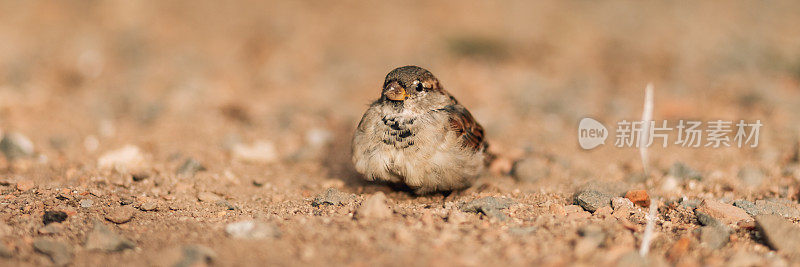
(126,158)
(250,229)
(258,152)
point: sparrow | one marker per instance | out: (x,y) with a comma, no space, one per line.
(419,135)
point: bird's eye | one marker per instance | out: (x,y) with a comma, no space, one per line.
(419,87)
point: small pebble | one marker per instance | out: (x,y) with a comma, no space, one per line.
(149,205)
(25,185)
(140,176)
(489,206)
(638,197)
(126,158)
(102,238)
(86,203)
(603,211)
(714,237)
(251,230)
(374,207)
(621,203)
(208,197)
(760,207)
(120,215)
(258,152)
(225,204)
(15,145)
(331,196)
(690,203)
(125,200)
(724,213)
(61,254)
(779,233)
(591,200)
(51,216)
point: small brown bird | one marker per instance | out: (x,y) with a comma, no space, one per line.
(417,134)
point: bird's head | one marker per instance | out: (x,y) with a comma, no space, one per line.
(409,84)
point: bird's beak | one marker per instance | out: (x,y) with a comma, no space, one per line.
(394,91)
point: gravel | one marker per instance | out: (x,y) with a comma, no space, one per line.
(779,234)
(489,206)
(591,200)
(102,238)
(53,216)
(621,203)
(690,203)
(724,213)
(225,204)
(760,207)
(25,185)
(61,254)
(714,237)
(331,196)
(374,207)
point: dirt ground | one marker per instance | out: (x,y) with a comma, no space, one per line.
(185,133)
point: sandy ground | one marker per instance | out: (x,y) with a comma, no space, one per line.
(184,133)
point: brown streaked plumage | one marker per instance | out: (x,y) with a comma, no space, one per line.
(417,134)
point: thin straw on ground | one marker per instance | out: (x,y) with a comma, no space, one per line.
(647,117)
(648,230)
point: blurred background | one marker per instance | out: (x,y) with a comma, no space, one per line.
(283,84)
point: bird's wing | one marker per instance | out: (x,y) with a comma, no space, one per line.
(464,125)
